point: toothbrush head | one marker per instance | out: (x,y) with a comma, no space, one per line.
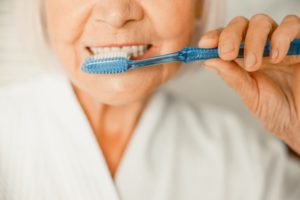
(107,63)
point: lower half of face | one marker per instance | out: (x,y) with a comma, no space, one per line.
(163,28)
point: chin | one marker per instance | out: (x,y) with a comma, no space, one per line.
(126,88)
(123,93)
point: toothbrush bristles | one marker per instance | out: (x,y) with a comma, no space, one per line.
(107,63)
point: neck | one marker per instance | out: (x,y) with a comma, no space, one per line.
(113,126)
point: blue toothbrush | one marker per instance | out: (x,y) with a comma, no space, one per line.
(114,65)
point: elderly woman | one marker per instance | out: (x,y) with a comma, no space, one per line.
(74,135)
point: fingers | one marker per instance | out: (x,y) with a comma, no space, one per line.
(282,37)
(255,33)
(231,38)
(287,61)
(210,39)
(260,27)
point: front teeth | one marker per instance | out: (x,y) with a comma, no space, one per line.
(132,51)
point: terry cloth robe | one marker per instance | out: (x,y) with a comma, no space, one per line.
(178,151)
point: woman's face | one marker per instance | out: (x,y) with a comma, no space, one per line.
(77,26)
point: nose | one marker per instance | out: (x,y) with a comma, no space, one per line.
(117,13)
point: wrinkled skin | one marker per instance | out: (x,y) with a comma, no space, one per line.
(113,103)
(269,87)
(74,25)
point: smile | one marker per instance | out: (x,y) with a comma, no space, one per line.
(132,51)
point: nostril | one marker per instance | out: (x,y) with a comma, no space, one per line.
(117,19)
(117,13)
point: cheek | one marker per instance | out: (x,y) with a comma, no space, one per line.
(66,19)
(65,24)
(172,20)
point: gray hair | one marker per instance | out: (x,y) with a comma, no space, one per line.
(32,28)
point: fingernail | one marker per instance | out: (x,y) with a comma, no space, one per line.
(227,47)
(250,60)
(275,54)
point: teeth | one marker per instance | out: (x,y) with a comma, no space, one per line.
(141,50)
(105,50)
(115,49)
(127,50)
(111,55)
(135,49)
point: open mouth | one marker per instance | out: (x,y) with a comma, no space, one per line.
(133,52)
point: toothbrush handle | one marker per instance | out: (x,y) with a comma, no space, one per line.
(293,50)
(188,55)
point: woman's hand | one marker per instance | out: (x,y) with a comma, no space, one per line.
(269,87)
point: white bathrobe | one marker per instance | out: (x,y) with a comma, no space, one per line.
(179,151)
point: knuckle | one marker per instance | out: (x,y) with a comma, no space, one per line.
(285,33)
(228,34)
(262,25)
(291,23)
(260,17)
(267,27)
(214,31)
(292,18)
(238,20)
(211,35)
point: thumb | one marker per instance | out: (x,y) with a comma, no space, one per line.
(235,77)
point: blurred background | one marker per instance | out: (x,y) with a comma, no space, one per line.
(200,85)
